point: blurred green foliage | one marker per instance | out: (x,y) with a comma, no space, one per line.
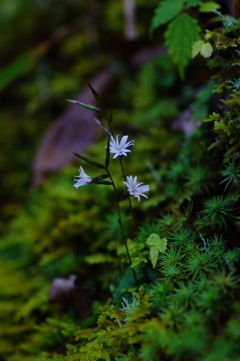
(186,307)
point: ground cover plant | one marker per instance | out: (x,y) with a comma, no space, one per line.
(137,257)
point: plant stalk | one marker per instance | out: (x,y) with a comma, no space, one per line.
(124,177)
(121,226)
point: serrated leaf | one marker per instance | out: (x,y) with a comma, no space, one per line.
(87,106)
(153,254)
(102,126)
(97,96)
(206,50)
(180,36)
(95,164)
(156,241)
(208,7)
(165,13)
(197,47)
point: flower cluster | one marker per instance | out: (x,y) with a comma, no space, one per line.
(118,148)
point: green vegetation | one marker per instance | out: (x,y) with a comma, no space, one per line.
(165,284)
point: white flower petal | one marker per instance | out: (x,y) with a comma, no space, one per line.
(84,179)
(120,148)
(123,141)
(135,188)
(144,188)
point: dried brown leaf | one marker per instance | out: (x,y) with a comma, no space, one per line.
(72,132)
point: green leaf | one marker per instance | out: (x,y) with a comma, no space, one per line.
(153,255)
(181,35)
(209,6)
(197,46)
(206,50)
(122,198)
(138,260)
(156,241)
(97,258)
(95,164)
(102,126)
(213,117)
(106,183)
(97,96)
(192,3)
(107,159)
(157,245)
(100,177)
(87,106)
(165,13)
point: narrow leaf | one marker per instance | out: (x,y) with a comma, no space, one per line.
(122,198)
(107,160)
(97,96)
(209,6)
(102,126)
(180,36)
(87,106)
(95,164)
(232,149)
(153,254)
(100,177)
(164,12)
(106,183)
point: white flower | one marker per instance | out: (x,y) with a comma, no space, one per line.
(120,148)
(84,179)
(135,188)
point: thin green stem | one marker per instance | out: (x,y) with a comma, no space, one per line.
(124,177)
(129,199)
(120,224)
(110,127)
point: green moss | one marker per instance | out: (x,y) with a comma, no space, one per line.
(185,251)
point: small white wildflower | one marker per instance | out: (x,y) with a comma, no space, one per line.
(135,188)
(84,179)
(120,148)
